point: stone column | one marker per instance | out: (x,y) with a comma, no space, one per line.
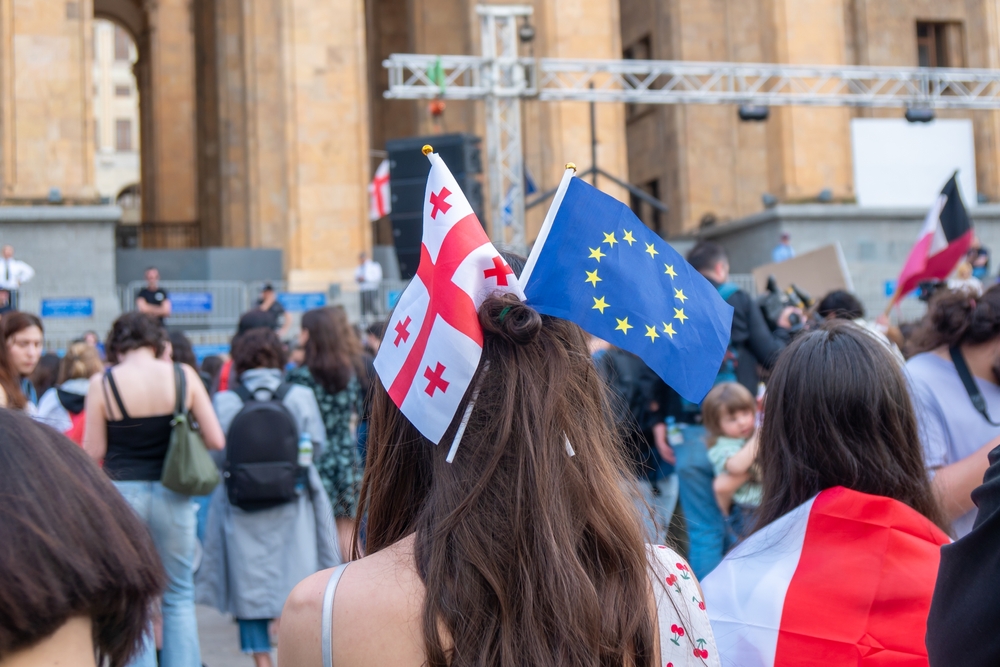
(46,126)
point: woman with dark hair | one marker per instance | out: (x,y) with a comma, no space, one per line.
(517,553)
(130,408)
(46,373)
(253,558)
(844,491)
(11,395)
(959,416)
(80,571)
(182,352)
(23,334)
(333,371)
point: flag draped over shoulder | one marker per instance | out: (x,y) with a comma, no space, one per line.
(844,579)
(944,240)
(433,341)
(602,268)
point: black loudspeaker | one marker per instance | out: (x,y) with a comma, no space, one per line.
(408,169)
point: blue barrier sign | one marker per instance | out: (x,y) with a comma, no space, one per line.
(392,298)
(890,287)
(68,307)
(190,303)
(217,349)
(300,302)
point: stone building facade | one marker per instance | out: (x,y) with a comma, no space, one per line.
(703,161)
(257,118)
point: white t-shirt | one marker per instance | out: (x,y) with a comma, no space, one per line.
(950,427)
(369,275)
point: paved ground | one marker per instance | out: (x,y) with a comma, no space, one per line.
(220,640)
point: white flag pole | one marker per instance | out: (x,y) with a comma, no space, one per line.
(550,216)
(457,440)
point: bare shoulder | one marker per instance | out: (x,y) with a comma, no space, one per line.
(301,620)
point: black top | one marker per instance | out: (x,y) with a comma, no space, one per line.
(754,341)
(274,313)
(136,445)
(964,623)
(153,297)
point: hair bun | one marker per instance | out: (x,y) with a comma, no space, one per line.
(508,317)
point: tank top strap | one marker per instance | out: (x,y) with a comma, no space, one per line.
(331,590)
(114,390)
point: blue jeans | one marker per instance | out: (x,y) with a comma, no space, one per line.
(172,524)
(705,524)
(662,502)
(253,635)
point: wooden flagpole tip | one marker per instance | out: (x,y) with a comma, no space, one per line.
(427,150)
(571,165)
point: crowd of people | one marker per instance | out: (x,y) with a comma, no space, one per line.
(587,502)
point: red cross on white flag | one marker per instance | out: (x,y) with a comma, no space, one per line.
(379,203)
(433,341)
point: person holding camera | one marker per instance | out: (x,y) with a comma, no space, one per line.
(752,341)
(955,385)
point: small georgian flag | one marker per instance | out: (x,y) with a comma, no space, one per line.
(433,341)
(379,201)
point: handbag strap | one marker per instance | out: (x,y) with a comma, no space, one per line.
(971,388)
(180,383)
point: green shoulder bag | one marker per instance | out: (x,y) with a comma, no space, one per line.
(187,468)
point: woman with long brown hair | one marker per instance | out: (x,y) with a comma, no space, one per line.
(11,395)
(517,553)
(333,372)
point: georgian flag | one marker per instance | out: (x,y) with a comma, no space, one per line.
(379,202)
(944,240)
(433,341)
(844,579)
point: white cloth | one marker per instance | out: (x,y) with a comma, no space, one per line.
(369,275)
(14,273)
(52,412)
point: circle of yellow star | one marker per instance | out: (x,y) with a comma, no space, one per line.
(679,315)
(592,277)
(595,253)
(623,326)
(651,332)
(610,239)
(651,250)
(628,237)
(670,271)
(600,304)
(669,329)
(679,294)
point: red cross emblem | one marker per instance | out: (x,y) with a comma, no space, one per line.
(401,333)
(377,184)
(439,203)
(434,380)
(447,300)
(500,271)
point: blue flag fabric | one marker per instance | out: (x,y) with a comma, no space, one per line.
(603,269)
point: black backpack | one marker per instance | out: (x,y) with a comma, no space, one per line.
(262,451)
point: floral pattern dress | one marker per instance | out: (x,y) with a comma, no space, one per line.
(686,638)
(338,465)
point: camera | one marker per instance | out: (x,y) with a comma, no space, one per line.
(775,301)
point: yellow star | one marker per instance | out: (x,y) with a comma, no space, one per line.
(610,239)
(669,330)
(651,250)
(679,315)
(628,237)
(595,253)
(623,325)
(600,304)
(651,332)
(592,278)
(679,294)
(670,271)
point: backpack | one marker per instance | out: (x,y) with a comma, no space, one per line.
(262,451)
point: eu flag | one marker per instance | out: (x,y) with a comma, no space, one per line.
(602,268)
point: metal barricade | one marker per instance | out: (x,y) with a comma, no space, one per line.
(197,304)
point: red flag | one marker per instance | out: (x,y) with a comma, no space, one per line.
(944,240)
(379,197)
(844,579)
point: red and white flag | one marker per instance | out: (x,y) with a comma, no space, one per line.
(433,341)
(379,203)
(844,579)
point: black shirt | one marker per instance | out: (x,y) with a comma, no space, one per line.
(153,297)
(275,312)
(753,340)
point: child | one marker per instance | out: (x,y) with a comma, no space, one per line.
(729,414)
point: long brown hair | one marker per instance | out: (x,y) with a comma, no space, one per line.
(958,317)
(9,381)
(529,556)
(333,350)
(837,413)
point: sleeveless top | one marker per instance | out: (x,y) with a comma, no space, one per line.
(685,632)
(136,445)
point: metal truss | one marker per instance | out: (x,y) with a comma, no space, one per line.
(681,82)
